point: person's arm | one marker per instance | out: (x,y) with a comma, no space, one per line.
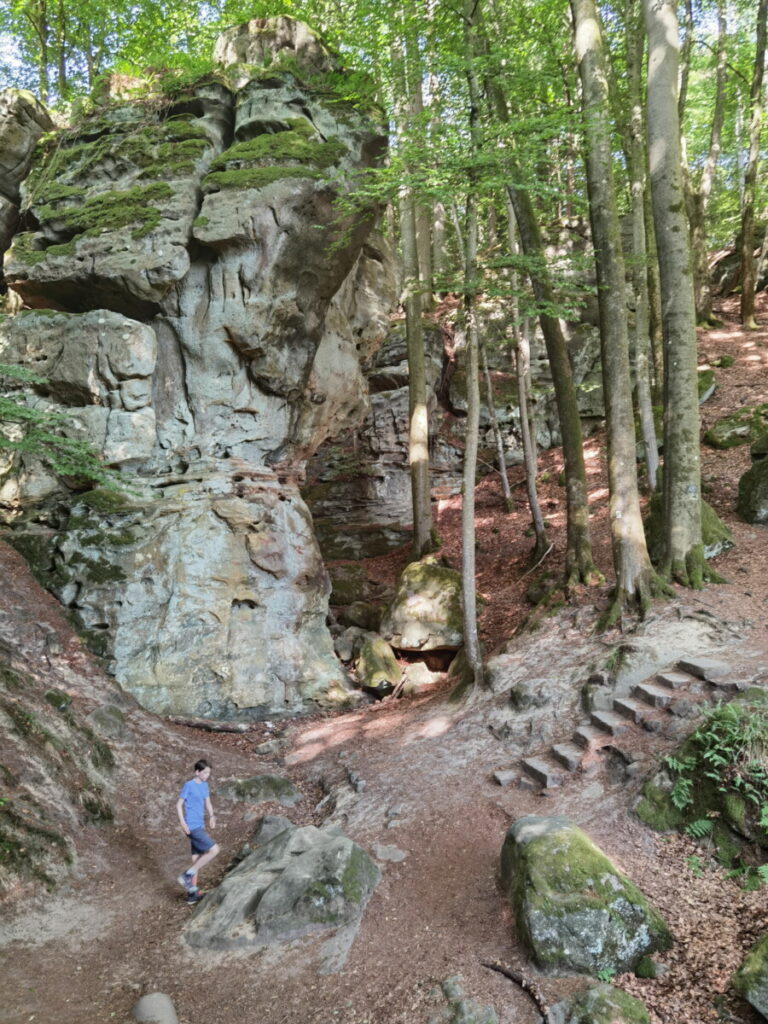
(211,815)
(180,812)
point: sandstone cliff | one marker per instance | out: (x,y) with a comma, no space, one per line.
(198,301)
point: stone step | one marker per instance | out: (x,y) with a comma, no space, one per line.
(673,680)
(542,770)
(709,669)
(609,722)
(568,754)
(656,696)
(587,736)
(634,710)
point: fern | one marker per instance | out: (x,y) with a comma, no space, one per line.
(700,828)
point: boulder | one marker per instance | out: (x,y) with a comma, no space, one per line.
(426,611)
(752,500)
(751,979)
(742,427)
(261,789)
(459,1009)
(574,910)
(155,1008)
(600,1004)
(303,881)
(376,664)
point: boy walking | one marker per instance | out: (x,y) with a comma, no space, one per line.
(193,803)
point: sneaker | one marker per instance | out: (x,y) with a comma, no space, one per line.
(194,897)
(187,880)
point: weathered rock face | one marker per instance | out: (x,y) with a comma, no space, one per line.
(301,882)
(22,121)
(359,484)
(574,910)
(211,305)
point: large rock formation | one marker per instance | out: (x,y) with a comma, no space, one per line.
(201,299)
(22,121)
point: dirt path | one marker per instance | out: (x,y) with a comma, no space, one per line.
(114,930)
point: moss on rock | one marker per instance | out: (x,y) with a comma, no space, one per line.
(742,427)
(574,910)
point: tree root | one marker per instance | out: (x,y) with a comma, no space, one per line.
(648,586)
(528,986)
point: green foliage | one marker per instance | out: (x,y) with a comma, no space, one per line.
(28,430)
(695,865)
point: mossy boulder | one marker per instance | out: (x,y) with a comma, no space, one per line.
(574,910)
(751,979)
(303,881)
(600,1004)
(707,385)
(376,663)
(348,584)
(460,1009)
(426,611)
(261,789)
(752,500)
(683,794)
(742,427)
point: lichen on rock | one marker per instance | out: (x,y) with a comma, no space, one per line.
(574,910)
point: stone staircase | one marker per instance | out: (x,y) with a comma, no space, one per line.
(663,705)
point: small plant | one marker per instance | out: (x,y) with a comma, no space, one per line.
(606,974)
(695,865)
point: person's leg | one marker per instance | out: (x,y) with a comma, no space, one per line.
(203,851)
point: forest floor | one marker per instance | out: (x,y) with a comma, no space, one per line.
(113,930)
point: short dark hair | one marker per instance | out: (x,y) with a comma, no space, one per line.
(201,765)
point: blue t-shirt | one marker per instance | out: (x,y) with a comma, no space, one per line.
(194,794)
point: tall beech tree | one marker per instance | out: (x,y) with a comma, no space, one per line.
(636,580)
(683,557)
(747,235)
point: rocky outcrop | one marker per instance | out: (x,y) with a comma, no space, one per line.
(201,302)
(751,979)
(359,484)
(22,121)
(600,1004)
(302,881)
(574,909)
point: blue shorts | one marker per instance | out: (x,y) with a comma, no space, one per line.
(200,841)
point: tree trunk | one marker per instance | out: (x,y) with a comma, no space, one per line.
(683,557)
(748,267)
(418,413)
(641,340)
(523,368)
(635,577)
(697,198)
(499,441)
(468,569)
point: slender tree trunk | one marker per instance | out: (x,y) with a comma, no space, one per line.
(697,198)
(438,246)
(418,412)
(641,339)
(523,368)
(684,62)
(499,441)
(635,577)
(468,569)
(748,267)
(655,329)
(683,549)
